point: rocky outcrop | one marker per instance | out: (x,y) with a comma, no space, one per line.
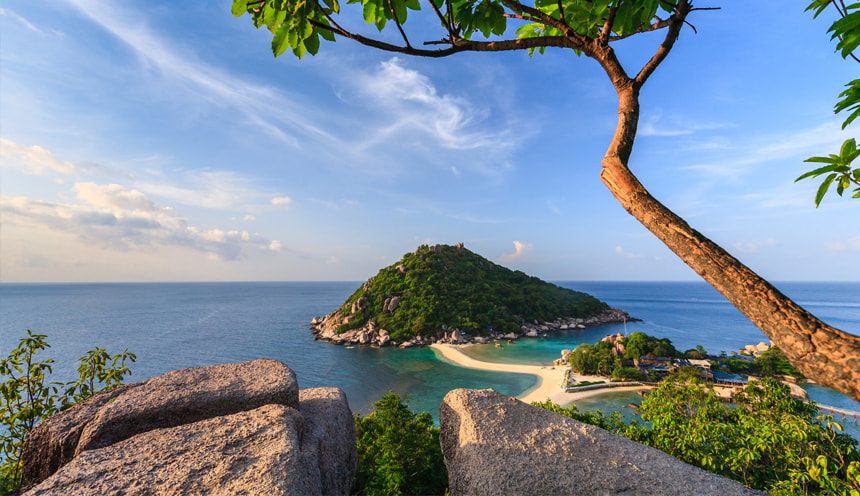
(52,444)
(616,341)
(494,444)
(326,328)
(188,395)
(225,429)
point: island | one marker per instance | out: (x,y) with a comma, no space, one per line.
(449,294)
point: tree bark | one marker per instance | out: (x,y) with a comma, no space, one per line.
(826,355)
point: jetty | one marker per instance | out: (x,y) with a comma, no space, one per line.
(844,413)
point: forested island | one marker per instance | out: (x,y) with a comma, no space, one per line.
(450,294)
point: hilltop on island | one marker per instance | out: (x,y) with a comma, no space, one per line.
(449,294)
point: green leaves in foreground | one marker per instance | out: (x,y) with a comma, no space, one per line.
(26,398)
(838,170)
(398,452)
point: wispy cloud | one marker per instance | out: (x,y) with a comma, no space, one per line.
(116,218)
(520,251)
(820,140)
(630,256)
(656,125)
(263,107)
(414,110)
(32,159)
(753,246)
(25,22)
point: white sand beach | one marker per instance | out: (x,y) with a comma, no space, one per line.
(549,377)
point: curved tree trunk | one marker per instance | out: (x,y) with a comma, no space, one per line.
(822,353)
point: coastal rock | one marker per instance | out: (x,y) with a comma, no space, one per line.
(52,443)
(188,395)
(565,355)
(257,452)
(494,444)
(316,320)
(532,334)
(328,439)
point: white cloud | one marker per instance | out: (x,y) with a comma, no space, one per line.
(115,218)
(416,114)
(674,127)
(25,22)
(282,201)
(753,246)
(249,218)
(820,140)
(520,251)
(222,190)
(332,260)
(255,102)
(850,244)
(32,159)
(630,256)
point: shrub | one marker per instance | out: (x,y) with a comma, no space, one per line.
(27,398)
(398,452)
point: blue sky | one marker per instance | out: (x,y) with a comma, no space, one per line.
(144,141)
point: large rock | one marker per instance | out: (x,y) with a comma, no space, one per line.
(52,443)
(252,453)
(188,395)
(494,444)
(328,440)
(295,442)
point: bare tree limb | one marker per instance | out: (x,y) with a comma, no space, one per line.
(676,21)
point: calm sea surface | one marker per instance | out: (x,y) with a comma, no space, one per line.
(177,325)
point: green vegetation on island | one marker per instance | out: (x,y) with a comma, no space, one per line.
(444,286)
(644,357)
(766,440)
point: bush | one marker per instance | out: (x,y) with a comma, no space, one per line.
(27,398)
(398,452)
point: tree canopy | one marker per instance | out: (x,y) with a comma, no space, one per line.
(588,27)
(838,167)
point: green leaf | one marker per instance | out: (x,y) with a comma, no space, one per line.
(848,148)
(312,43)
(239,7)
(280,41)
(823,189)
(816,172)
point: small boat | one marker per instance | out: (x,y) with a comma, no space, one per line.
(350,347)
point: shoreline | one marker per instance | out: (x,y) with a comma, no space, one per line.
(549,377)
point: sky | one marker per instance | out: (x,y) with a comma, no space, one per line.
(157,141)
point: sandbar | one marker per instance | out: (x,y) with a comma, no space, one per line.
(550,377)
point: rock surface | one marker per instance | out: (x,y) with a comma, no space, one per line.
(494,444)
(253,453)
(328,439)
(188,395)
(226,429)
(52,444)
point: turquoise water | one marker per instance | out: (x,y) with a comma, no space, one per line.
(176,325)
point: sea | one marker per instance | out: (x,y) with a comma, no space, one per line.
(177,325)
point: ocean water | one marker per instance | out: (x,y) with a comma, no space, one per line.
(177,325)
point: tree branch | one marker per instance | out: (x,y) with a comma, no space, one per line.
(607,26)
(676,21)
(442,19)
(399,26)
(660,24)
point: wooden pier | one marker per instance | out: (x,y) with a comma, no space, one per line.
(839,412)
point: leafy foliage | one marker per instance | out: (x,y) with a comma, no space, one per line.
(598,358)
(838,168)
(460,289)
(299,24)
(770,441)
(27,398)
(398,452)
